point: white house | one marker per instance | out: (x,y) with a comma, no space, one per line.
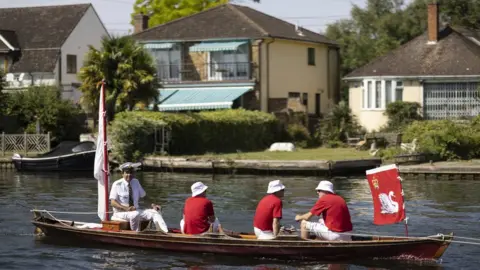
(46,45)
(439,69)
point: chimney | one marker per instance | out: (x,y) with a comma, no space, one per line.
(433,22)
(140,23)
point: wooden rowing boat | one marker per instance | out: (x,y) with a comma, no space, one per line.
(287,246)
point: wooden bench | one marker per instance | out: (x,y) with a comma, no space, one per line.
(391,138)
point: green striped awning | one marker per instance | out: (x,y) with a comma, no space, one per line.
(217,46)
(192,99)
(164,45)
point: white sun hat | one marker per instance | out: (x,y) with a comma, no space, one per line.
(325,186)
(198,188)
(275,186)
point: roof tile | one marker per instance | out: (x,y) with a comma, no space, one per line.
(455,54)
(228,21)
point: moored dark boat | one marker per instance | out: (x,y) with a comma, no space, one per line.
(67,156)
(245,244)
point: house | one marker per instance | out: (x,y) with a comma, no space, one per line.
(233,56)
(46,45)
(439,69)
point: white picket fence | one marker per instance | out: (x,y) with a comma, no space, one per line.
(24,143)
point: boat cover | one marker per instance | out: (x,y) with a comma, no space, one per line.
(70,147)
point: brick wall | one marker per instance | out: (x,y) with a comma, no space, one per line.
(194,64)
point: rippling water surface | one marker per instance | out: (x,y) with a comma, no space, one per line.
(432,207)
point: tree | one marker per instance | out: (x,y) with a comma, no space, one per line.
(383,25)
(378,28)
(162,11)
(64,119)
(129,73)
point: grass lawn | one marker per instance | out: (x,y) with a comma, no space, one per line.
(300,154)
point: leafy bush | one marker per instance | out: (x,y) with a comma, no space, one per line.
(132,137)
(299,134)
(332,130)
(62,118)
(400,114)
(445,139)
(214,131)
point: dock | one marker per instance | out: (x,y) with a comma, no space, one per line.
(261,167)
(445,170)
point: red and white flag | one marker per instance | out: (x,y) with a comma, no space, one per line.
(387,193)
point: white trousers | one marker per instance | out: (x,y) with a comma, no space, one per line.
(135,217)
(263,235)
(322,231)
(216,224)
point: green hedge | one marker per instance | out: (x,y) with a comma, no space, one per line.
(213,131)
(132,137)
(446,139)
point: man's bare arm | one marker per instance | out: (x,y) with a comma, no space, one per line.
(276,226)
(305,216)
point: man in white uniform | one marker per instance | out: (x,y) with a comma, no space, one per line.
(124,197)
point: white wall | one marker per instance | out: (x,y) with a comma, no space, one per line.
(89,31)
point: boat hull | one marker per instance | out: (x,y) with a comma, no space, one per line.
(83,161)
(288,247)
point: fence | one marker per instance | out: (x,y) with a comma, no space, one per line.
(24,143)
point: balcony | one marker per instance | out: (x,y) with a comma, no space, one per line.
(205,72)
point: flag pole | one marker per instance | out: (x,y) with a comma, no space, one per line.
(406,226)
(105,151)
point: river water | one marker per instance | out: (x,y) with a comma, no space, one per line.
(432,207)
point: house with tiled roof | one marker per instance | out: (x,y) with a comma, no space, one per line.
(233,56)
(46,45)
(439,69)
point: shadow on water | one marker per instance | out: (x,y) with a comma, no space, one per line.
(207,260)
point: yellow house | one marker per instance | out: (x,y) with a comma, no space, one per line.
(232,56)
(439,69)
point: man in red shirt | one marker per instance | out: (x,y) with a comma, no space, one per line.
(336,217)
(266,222)
(198,214)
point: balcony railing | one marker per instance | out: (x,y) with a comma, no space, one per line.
(204,72)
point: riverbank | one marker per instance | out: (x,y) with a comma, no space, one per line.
(453,170)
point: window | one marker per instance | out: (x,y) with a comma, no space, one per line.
(311,56)
(377,94)
(305,99)
(168,62)
(294,95)
(71,64)
(399,91)
(388,92)
(229,64)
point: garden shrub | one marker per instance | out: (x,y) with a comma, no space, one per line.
(299,135)
(215,131)
(445,139)
(133,137)
(332,129)
(400,114)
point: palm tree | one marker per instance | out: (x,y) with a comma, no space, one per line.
(129,73)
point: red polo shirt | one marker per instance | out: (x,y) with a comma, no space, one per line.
(335,213)
(196,211)
(268,208)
